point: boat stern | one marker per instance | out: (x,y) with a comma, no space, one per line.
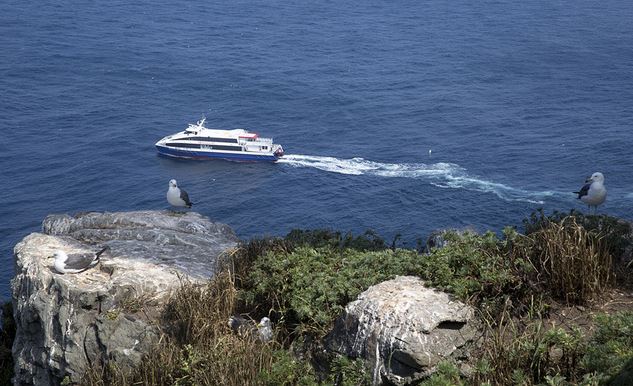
(278,151)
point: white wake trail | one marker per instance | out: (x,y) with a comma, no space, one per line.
(443,175)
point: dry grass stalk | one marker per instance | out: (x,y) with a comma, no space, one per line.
(574,264)
(197,346)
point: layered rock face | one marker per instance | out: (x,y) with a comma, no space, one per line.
(403,329)
(68,323)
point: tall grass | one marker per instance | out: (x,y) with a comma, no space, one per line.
(526,353)
(196,347)
(572,263)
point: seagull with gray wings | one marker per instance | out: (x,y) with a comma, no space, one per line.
(262,331)
(76,262)
(177,197)
(593,193)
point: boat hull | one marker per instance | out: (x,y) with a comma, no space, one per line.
(198,154)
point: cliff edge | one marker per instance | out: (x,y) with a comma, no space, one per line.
(67,323)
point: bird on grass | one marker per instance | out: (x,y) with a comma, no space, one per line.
(177,197)
(593,193)
(77,262)
(262,331)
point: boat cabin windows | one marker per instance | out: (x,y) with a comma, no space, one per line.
(187,145)
(205,146)
(222,147)
(212,139)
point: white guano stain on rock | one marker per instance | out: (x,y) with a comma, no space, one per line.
(67,323)
(396,326)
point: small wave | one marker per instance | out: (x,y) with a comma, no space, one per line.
(441,175)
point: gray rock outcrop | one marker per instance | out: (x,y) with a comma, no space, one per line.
(69,323)
(402,329)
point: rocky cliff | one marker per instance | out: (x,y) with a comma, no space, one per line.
(403,329)
(68,323)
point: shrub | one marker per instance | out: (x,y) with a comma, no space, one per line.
(286,370)
(526,354)
(347,372)
(615,232)
(610,352)
(368,241)
(240,261)
(447,375)
(309,287)
(573,264)
(472,266)
(304,281)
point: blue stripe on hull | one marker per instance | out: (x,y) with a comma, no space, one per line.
(178,153)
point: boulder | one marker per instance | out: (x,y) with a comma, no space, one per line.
(69,323)
(403,329)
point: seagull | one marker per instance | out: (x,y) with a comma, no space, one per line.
(76,263)
(593,193)
(176,196)
(263,330)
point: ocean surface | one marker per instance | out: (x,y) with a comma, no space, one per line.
(399,116)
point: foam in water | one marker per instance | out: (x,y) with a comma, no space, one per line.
(442,175)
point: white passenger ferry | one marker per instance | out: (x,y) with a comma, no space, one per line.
(199,142)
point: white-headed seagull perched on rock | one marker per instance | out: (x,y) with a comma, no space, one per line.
(76,262)
(593,193)
(176,196)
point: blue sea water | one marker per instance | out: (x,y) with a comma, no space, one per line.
(518,100)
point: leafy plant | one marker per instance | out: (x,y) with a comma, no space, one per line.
(309,287)
(368,241)
(286,370)
(611,349)
(446,375)
(471,266)
(348,372)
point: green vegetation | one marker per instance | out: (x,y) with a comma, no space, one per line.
(287,370)
(310,287)
(303,282)
(447,375)
(610,352)
(527,352)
